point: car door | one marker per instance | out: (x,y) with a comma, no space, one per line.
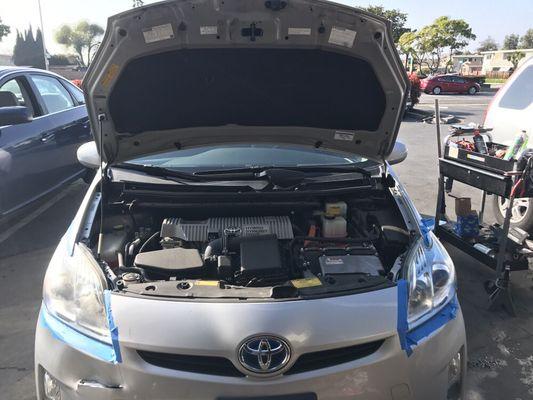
(458,84)
(65,110)
(446,83)
(22,166)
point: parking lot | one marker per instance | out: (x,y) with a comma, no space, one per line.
(500,347)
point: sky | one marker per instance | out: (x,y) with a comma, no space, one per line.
(495,18)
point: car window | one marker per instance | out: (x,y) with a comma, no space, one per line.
(76,92)
(12,93)
(55,96)
(520,94)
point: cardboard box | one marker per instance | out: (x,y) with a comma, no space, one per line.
(467,226)
(463,206)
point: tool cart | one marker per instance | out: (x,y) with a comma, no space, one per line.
(501,248)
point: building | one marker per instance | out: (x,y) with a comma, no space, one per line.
(467,64)
(6,60)
(498,60)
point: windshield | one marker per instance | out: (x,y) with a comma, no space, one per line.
(244,156)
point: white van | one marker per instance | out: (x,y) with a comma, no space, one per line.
(509,113)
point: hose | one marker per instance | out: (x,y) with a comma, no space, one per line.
(148,241)
(215,247)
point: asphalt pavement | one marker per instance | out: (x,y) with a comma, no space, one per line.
(500,348)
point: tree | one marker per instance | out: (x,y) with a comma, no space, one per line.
(429,45)
(28,50)
(83,38)
(396,17)
(138,3)
(455,33)
(410,44)
(515,58)
(489,44)
(526,41)
(510,42)
(4,30)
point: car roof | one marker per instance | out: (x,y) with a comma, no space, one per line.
(11,69)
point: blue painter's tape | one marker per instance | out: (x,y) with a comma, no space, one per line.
(402,324)
(112,327)
(426,226)
(410,338)
(445,315)
(75,339)
(428,223)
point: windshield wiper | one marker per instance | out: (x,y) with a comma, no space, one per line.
(162,172)
(255,171)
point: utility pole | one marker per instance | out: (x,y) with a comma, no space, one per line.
(42,34)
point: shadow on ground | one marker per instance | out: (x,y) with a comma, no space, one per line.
(500,347)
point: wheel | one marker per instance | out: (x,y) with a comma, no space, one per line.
(88,176)
(436,90)
(521,214)
(472,90)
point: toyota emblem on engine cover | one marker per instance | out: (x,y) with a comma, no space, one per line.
(264,354)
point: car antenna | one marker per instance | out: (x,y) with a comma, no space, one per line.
(101,118)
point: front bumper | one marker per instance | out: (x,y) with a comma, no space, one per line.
(387,374)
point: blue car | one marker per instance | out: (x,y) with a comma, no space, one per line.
(43,120)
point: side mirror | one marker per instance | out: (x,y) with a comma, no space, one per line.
(88,155)
(15,115)
(398,154)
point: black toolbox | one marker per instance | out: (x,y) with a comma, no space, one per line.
(484,161)
(489,181)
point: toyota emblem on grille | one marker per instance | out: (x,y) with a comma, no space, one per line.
(264,354)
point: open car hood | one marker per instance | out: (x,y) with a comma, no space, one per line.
(189,73)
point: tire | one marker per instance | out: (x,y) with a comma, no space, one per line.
(472,90)
(437,90)
(522,214)
(88,176)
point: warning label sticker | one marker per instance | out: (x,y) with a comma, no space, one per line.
(305,283)
(110,75)
(342,36)
(346,136)
(158,33)
(208,30)
(207,283)
(300,31)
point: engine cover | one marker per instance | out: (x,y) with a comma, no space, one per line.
(201,231)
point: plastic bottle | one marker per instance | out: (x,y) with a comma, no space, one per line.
(518,146)
(479,143)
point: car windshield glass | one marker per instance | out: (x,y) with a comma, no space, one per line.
(243,156)
(520,95)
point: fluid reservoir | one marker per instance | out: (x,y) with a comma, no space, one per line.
(333,227)
(336,209)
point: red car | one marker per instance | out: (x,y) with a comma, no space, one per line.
(448,84)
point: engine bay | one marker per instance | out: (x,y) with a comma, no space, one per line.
(263,250)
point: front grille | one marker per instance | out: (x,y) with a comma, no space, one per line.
(223,367)
(329,358)
(199,364)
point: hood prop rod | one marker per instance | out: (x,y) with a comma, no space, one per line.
(117,282)
(101,118)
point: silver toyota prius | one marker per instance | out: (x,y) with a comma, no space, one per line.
(245,237)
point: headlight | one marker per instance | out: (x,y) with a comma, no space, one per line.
(431,276)
(74,292)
